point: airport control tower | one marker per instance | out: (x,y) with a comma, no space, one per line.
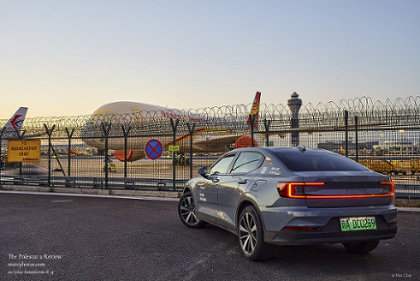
(294,104)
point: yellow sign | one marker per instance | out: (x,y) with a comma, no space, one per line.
(24,151)
(173,148)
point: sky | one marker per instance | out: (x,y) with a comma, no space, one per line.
(70,57)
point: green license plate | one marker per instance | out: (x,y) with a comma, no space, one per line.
(359,223)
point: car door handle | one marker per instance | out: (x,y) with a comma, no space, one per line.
(215,179)
(244,181)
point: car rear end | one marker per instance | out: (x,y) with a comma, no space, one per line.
(332,204)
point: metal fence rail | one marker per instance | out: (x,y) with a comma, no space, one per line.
(82,151)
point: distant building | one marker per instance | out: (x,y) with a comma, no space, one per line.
(339,147)
(395,148)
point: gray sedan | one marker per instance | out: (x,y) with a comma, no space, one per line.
(292,196)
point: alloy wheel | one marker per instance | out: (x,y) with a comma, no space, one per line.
(248,233)
(187,210)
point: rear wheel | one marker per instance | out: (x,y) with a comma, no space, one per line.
(363,247)
(186,211)
(251,235)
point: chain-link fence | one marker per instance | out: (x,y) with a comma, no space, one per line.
(111,150)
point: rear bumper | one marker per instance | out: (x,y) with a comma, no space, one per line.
(324,226)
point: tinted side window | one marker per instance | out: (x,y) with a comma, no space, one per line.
(246,162)
(222,165)
(317,161)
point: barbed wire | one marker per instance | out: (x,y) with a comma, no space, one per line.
(401,111)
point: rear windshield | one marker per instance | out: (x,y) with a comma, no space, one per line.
(313,160)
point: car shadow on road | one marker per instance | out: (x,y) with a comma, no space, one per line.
(333,255)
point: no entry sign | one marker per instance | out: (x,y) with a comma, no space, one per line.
(153,149)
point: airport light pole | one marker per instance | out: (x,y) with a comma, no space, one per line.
(294,104)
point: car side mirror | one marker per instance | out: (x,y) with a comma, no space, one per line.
(203,172)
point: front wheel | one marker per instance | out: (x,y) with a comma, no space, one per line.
(363,247)
(251,235)
(186,211)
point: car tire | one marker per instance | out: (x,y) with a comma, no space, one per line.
(186,211)
(251,235)
(362,247)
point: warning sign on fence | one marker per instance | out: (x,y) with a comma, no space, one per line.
(24,150)
(173,148)
(154,149)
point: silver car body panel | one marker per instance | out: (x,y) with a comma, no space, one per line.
(219,199)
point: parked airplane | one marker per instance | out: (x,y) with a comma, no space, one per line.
(204,139)
(12,129)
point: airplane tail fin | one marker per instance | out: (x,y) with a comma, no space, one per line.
(14,125)
(255,110)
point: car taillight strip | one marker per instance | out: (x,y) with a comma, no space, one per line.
(391,183)
(289,190)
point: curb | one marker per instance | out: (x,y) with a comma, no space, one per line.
(121,193)
(90,196)
(405,209)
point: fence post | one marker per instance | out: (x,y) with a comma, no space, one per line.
(105,131)
(191,129)
(20,136)
(69,136)
(252,122)
(267,124)
(356,129)
(174,127)
(1,153)
(126,131)
(346,124)
(49,133)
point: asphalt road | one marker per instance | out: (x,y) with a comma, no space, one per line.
(116,239)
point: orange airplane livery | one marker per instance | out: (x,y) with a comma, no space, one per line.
(255,110)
